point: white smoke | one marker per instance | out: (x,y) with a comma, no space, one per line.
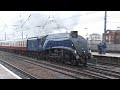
(38,23)
(51,22)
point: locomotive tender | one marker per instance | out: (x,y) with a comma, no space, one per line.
(68,48)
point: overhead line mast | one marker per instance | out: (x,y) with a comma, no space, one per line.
(105,25)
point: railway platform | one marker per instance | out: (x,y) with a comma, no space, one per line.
(5,73)
(109,58)
(107,54)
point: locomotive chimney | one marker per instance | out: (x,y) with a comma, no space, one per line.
(74,34)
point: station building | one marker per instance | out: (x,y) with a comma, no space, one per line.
(112,36)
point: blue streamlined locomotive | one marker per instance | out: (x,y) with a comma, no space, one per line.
(68,48)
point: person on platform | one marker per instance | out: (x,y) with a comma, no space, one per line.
(100,48)
(104,47)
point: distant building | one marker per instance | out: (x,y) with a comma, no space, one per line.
(94,38)
(113,36)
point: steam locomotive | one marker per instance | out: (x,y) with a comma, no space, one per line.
(68,48)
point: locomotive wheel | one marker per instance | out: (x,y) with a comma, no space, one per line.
(74,62)
(84,62)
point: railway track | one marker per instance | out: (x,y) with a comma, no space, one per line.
(91,72)
(19,70)
(65,70)
(107,70)
(77,73)
(55,69)
(99,71)
(109,64)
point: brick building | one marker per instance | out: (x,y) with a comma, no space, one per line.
(113,36)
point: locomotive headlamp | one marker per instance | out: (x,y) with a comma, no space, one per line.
(72,44)
(89,51)
(75,52)
(77,57)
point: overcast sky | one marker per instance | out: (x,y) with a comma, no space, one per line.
(38,23)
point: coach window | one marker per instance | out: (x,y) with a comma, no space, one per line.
(19,43)
(16,44)
(22,44)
